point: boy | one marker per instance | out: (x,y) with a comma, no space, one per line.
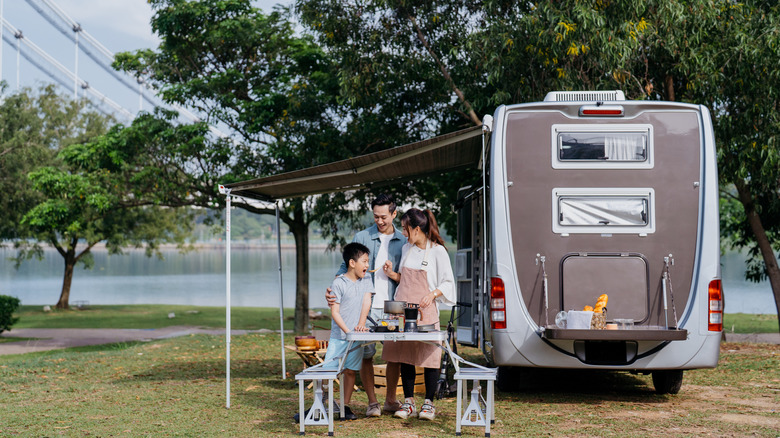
(353,302)
(385,242)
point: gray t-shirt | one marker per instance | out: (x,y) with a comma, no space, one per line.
(349,296)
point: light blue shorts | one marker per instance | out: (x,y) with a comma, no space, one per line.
(337,348)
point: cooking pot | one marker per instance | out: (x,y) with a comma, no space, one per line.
(395,307)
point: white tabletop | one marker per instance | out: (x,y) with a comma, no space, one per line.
(438,335)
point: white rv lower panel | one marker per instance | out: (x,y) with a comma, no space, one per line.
(695,352)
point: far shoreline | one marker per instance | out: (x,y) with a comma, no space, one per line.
(217,245)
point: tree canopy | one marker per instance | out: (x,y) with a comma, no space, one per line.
(455,56)
(278,92)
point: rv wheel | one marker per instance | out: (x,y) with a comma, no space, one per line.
(667,381)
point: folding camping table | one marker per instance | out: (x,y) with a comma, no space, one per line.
(318,373)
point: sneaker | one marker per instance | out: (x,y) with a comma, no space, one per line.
(407,410)
(373,410)
(427,411)
(348,414)
(392,407)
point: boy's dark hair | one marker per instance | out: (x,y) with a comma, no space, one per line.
(353,251)
(384,199)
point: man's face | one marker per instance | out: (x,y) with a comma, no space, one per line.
(384,219)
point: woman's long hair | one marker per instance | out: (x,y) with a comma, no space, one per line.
(414,217)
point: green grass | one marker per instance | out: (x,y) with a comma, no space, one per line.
(4,340)
(150,316)
(176,387)
(249,318)
(748,323)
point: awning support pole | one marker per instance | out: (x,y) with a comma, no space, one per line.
(281,288)
(487,126)
(227,298)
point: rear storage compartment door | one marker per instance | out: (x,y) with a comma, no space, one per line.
(624,277)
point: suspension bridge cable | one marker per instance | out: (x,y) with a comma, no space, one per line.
(61,21)
(102,98)
(70,28)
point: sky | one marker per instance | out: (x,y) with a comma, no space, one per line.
(119,25)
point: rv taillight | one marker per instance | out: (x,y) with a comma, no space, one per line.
(497,304)
(602,110)
(715,320)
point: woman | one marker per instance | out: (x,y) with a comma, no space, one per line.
(424,277)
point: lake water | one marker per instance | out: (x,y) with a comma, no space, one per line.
(198,278)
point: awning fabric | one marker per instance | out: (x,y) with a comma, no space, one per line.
(454,151)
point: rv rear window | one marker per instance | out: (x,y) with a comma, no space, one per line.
(598,146)
(618,210)
(613,211)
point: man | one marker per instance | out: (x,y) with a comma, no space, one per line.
(385,243)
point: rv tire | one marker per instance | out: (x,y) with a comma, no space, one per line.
(667,381)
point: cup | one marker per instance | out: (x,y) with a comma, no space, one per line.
(624,323)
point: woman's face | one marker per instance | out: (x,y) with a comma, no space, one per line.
(414,236)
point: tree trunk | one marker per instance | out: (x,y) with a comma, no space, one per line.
(300,231)
(669,88)
(764,245)
(70,264)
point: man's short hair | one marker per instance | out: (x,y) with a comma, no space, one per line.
(384,199)
(353,251)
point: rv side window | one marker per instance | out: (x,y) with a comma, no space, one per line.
(599,146)
(618,210)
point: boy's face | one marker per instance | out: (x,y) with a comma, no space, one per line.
(384,219)
(360,265)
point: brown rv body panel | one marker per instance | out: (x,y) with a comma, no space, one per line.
(582,266)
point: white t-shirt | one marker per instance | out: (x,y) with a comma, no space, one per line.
(381,284)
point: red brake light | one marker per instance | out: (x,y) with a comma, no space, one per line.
(715,306)
(602,110)
(497,303)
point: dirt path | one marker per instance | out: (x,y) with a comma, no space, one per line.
(53,339)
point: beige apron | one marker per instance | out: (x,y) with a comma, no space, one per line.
(412,288)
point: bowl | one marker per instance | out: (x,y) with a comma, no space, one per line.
(304,342)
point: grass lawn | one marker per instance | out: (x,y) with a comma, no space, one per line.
(176,387)
(149,316)
(747,323)
(249,318)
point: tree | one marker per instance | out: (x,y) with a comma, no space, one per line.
(277,92)
(497,52)
(747,126)
(34,126)
(108,190)
(410,66)
(707,52)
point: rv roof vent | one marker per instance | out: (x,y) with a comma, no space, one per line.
(587,96)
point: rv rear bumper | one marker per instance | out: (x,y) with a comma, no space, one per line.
(693,351)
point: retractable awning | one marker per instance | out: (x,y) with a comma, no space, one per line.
(457,150)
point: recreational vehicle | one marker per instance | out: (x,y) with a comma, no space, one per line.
(586,199)
(586,195)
